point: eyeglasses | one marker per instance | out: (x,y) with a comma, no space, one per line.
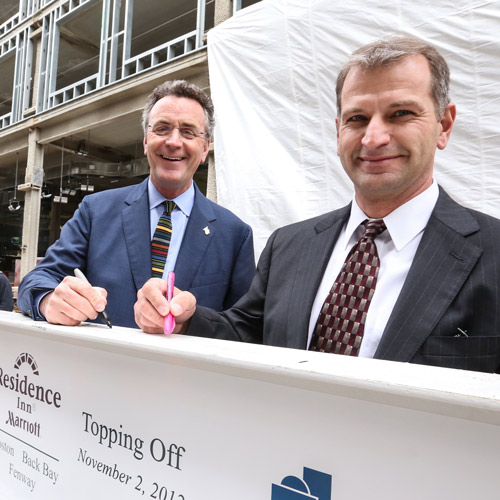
(165,130)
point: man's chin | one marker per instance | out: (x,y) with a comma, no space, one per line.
(171,186)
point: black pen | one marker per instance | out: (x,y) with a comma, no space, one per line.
(102,314)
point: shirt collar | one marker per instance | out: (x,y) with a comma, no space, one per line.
(403,224)
(184,201)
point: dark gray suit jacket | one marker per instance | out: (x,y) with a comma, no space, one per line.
(454,282)
(6,300)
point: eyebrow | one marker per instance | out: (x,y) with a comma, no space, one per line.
(182,125)
(398,104)
(350,111)
(409,103)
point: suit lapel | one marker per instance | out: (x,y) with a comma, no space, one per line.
(200,230)
(136,230)
(312,257)
(443,261)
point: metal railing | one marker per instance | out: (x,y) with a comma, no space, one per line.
(115,62)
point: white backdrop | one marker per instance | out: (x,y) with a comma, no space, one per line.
(272,77)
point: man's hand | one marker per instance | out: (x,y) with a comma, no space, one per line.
(152,306)
(72,302)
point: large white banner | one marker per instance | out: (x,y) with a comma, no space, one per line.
(272,76)
(92,413)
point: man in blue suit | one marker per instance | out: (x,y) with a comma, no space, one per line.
(109,236)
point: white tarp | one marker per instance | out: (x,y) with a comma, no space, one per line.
(272,77)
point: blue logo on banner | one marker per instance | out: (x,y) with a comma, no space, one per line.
(316,485)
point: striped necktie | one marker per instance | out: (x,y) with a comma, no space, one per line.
(342,318)
(161,240)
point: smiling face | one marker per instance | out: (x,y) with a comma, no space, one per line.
(173,160)
(388,133)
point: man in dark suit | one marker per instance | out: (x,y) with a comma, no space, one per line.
(437,296)
(6,299)
(109,236)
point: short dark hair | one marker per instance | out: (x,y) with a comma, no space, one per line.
(181,88)
(391,50)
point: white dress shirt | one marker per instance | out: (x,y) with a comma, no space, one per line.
(180,216)
(396,249)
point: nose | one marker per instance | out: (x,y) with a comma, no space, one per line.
(377,134)
(174,138)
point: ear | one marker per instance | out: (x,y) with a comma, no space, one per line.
(446,125)
(206,148)
(144,143)
(337,124)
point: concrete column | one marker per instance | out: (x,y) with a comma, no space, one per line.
(223,10)
(55,223)
(211,178)
(32,198)
(36,39)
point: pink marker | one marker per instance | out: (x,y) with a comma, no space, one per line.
(169,320)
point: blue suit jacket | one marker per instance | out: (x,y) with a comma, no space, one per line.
(109,239)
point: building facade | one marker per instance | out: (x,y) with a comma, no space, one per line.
(74,76)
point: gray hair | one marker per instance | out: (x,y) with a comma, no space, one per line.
(391,50)
(180,88)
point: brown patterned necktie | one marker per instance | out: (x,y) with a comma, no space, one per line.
(342,318)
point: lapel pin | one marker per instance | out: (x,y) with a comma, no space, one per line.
(206,230)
